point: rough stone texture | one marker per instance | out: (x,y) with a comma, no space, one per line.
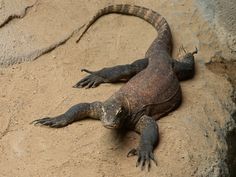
(227,69)
(198,139)
(12,9)
(222,17)
(47,25)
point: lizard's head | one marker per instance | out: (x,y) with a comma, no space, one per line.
(113,114)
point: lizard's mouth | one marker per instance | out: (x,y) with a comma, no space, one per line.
(113,126)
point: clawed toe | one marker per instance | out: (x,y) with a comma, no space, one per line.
(40,121)
(45,121)
(90,81)
(89,85)
(51,122)
(153,158)
(132,152)
(144,158)
(54,122)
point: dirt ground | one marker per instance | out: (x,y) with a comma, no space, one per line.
(43,87)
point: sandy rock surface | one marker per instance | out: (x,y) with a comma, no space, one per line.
(222,16)
(196,139)
(13,9)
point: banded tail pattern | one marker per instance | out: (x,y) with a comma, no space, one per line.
(152,17)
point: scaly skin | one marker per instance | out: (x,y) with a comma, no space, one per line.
(152,89)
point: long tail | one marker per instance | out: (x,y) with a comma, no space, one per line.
(152,17)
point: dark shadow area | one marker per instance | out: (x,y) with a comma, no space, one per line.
(225,68)
(231,141)
(120,134)
(228,70)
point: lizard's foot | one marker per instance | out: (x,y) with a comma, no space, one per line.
(56,122)
(90,81)
(145,155)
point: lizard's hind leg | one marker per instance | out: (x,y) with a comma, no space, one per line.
(184,68)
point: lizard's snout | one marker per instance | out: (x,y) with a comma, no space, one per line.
(111,123)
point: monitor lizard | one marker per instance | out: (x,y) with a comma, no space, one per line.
(152,88)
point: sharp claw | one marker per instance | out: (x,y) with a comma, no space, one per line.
(84,80)
(149,164)
(89,85)
(182,47)
(132,152)
(147,159)
(152,157)
(34,122)
(55,125)
(143,164)
(83,84)
(95,84)
(38,121)
(144,157)
(90,81)
(47,123)
(79,86)
(138,161)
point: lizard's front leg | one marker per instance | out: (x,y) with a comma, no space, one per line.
(75,113)
(111,75)
(148,129)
